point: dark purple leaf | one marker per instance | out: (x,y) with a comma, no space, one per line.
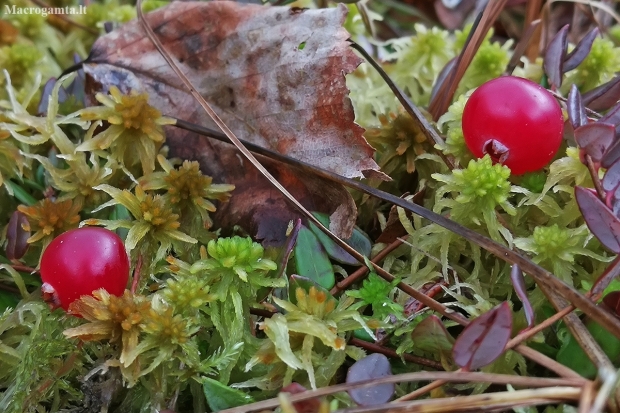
(612,302)
(611,155)
(604,96)
(484,339)
(304,406)
(371,367)
(612,116)
(518,282)
(430,290)
(554,57)
(431,336)
(76,87)
(600,219)
(615,205)
(581,51)
(595,138)
(17,234)
(611,180)
(45,95)
(576,111)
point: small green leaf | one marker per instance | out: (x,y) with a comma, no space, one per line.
(358,241)
(20,193)
(7,300)
(573,356)
(312,261)
(220,396)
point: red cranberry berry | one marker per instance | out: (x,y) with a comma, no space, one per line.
(80,261)
(515,121)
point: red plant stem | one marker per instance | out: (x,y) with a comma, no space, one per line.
(136,275)
(524,335)
(362,271)
(594,174)
(23,268)
(391,353)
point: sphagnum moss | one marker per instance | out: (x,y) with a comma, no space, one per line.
(193,318)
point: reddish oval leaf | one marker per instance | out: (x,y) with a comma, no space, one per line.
(518,282)
(595,138)
(612,302)
(604,96)
(602,222)
(17,234)
(370,367)
(431,335)
(576,111)
(581,51)
(484,339)
(304,406)
(554,57)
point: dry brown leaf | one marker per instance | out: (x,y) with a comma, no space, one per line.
(275,75)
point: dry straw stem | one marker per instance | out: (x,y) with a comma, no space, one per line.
(440,103)
(532,13)
(594,4)
(452,377)
(481,402)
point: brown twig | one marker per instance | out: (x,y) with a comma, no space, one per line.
(532,12)
(376,348)
(362,271)
(527,334)
(439,105)
(23,268)
(524,43)
(611,273)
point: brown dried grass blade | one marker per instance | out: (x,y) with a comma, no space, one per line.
(442,100)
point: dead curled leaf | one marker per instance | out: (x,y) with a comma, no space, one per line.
(275,75)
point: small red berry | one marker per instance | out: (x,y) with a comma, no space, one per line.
(514,120)
(80,261)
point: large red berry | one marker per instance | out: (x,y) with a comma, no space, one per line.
(83,260)
(515,121)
